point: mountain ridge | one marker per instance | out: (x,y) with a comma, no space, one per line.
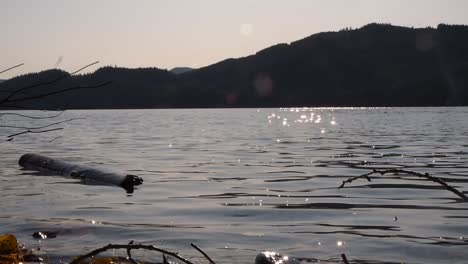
(375,65)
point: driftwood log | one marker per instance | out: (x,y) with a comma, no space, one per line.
(88,174)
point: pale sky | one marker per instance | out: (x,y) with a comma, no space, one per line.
(68,34)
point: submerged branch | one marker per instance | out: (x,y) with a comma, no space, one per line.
(397,171)
(128,247)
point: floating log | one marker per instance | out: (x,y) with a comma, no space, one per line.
(88,174)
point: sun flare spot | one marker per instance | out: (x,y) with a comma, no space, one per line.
(246,30)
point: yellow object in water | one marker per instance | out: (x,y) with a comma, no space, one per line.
(103,261)
(9,252)
(8,244)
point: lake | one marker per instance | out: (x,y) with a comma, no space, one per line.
(239,181)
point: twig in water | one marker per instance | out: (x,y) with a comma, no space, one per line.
(350,180)
(204,254)
(396,171)
(130,246)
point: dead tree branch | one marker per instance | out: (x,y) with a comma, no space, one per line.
(20,90)
(40,127)
(345,260)
(31,117)
(350,180)
(128,247)
(39,96)
(11,68)
(130,255)
(32,132)
(36,130)
(12,99)
(203,253)
(55,138)
(408,172)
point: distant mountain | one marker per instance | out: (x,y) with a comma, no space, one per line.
(180,70)
(130,88)
(376,65)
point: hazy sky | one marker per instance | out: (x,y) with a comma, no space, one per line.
(168,33)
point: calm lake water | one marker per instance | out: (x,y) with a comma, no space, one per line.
(238,181)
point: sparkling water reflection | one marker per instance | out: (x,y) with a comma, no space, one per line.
(237,182)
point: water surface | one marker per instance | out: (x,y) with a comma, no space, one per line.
(238,181)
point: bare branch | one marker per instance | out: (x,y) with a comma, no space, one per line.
(11,101)
(204,254)
(11,68)
(129,246)
(345,260)
(18,107)
(32,132)
(12,94)
(350,180)
(31,117)
(130,255)
(39,96)
(397,171)
(52,140)
(40,127)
